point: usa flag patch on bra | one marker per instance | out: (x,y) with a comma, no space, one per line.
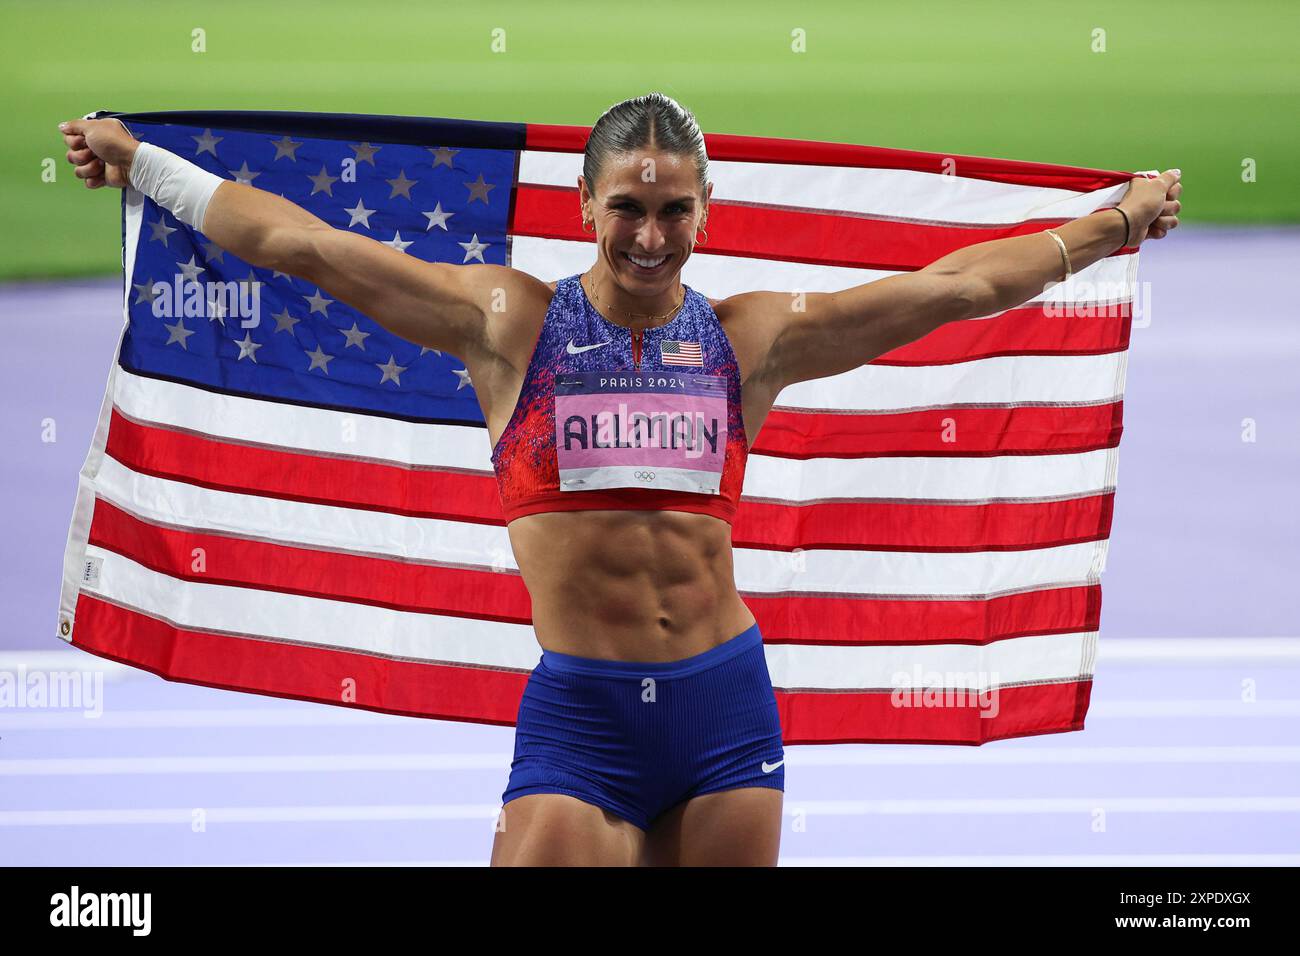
(662,430)
(672,352)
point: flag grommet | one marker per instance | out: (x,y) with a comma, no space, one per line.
(65,627)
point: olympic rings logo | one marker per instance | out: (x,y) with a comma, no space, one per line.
(644,475)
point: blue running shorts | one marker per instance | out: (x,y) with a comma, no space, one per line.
(639,738)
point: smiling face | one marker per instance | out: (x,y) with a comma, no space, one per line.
(647,209)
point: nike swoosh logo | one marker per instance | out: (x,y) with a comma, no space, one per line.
(769,767)
(579,349)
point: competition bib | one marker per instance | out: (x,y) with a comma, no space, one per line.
(663,430)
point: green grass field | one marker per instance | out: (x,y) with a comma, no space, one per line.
(1199,85)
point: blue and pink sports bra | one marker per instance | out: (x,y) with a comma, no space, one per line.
(608,418)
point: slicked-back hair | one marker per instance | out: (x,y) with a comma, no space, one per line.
(653,120)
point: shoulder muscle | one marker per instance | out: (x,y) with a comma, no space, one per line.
(753,322)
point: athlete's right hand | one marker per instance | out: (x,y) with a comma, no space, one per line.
(101,150)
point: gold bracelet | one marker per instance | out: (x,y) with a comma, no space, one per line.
(1065,255)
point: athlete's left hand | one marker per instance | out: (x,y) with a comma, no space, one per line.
(1153,205)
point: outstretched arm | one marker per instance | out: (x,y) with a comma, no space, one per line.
(827,333)
(435,304)
(439,305)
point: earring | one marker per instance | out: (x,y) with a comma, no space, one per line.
(699,241)
(585,223)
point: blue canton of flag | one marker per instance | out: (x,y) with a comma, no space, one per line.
(681,353)
(436,203)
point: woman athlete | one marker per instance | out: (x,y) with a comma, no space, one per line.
(648,733)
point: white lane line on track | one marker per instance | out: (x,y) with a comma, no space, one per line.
(183,816)
(1174,651)
(305,716)
(1088,859)
(273,764)
(1081,859)
(310,715)
(850,755)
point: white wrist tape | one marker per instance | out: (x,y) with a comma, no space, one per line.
(174,183)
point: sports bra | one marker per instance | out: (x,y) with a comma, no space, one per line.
(610,420)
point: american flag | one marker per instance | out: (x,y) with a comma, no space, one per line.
(305,506)
(681,353)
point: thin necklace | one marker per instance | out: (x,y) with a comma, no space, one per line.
(595,296)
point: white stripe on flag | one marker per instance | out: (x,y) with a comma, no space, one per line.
(899,193)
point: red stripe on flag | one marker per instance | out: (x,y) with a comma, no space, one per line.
(1040,329)
(899,526)
(372,486)
(784,235)
(837,718)
(813,619)
(966,432)
(763,149)
(483,695)
(495,595)
(302,476)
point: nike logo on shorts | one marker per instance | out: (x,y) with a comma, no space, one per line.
(769,767)
(579,349)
